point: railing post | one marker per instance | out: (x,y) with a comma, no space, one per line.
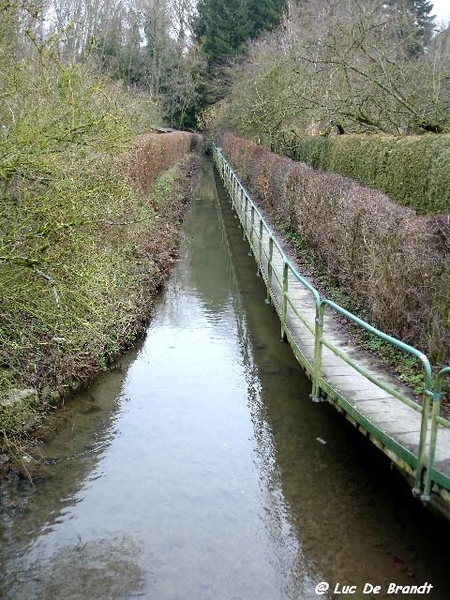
(421,458)
(246,214)
(437,396)
(241,205)
(428,394)
(261,231)
(425,496)
(285,291)
(269,270)
(318,346)
(252,225)
(233,199)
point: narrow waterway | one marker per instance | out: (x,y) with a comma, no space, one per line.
(199,469)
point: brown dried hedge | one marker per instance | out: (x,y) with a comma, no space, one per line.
(392,261)
(156,153)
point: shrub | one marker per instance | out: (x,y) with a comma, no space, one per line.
(393,262)
(413,170)
(80,259)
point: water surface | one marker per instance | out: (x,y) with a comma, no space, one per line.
(200,470)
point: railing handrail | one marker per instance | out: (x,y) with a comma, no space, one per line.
(426,365)
(294,271)
(432,389)
(436,420)
(439,381)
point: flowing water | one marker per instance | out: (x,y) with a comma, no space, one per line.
(200,470)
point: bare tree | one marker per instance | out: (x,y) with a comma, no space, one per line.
(181,12)
(346,63)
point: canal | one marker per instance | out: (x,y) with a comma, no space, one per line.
(198,469)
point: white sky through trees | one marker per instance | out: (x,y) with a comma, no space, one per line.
(441,8)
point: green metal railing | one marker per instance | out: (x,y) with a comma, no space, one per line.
(265,248)
(427,393)
(436,420)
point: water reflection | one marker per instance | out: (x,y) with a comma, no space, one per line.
(211,273)
(100,568)
(196,473)
(77,437)
(352,518)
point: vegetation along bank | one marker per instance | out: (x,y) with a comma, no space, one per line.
(89,211)
(86,226)
(391,261)
(80,268)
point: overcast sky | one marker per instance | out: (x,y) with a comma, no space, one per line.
(441,8)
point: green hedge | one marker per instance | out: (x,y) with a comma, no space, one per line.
(314,151)
(391,261)
(413,170)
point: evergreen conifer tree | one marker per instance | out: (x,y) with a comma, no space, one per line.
(424,21)
(417,22)
(265,15)
(222,27)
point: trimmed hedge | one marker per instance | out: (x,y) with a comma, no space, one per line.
(413,170)
(155,153)
(393,262)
